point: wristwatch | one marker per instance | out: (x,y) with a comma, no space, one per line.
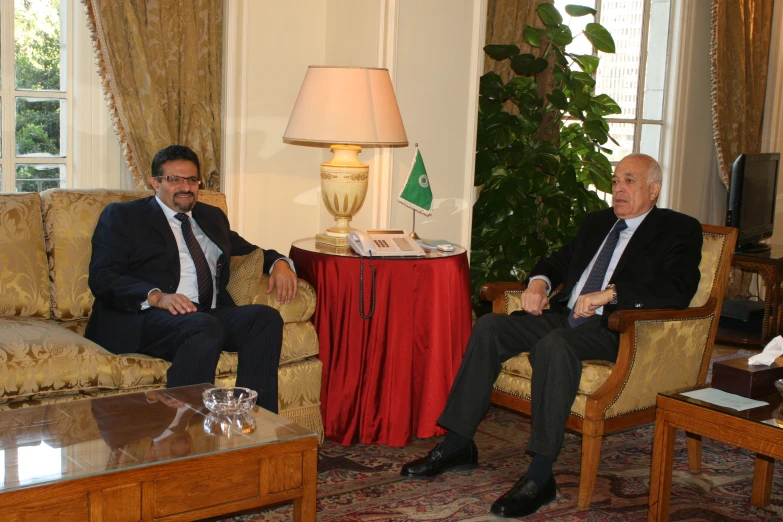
(614,293)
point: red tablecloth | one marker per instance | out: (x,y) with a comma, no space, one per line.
(386,379)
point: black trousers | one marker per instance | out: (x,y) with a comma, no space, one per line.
(556,355)
(192,342)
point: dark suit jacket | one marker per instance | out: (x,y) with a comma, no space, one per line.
(658,269)
(134,251)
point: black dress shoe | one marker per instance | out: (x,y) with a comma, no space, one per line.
(436,463)
(524,498)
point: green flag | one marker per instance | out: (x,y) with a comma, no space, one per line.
(416,193)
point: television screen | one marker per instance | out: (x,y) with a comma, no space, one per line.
(752,197)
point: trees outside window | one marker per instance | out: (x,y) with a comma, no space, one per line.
(35,96)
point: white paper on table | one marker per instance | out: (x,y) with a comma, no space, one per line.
(772,351)
(727,400)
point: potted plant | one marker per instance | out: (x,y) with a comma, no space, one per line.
(540,151)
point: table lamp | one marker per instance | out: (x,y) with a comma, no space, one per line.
(346,107)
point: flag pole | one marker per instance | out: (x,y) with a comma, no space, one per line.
(414,235)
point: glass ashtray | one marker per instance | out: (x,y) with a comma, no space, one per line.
(229,401)
(779,386)
(215,424)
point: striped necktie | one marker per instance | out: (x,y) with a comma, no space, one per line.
(203,275)
(595,280)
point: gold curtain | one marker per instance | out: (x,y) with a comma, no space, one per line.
(740,56)
(161,64)
(506,19)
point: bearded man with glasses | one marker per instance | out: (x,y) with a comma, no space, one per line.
(159,270)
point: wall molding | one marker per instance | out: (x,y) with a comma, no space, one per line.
(478,37)
(234,108)
(383,157)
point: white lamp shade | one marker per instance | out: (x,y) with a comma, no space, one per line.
(346,105)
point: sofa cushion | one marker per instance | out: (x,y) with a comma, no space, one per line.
(246,272)
(24,280)
(40,358)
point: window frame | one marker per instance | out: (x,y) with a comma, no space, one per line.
(9,159)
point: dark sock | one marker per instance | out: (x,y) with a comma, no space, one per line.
(540,470)
(453,443)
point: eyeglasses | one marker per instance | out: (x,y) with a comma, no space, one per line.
(176,180)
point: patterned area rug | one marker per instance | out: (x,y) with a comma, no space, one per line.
(362,482)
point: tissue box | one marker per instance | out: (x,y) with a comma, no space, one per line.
(737,376)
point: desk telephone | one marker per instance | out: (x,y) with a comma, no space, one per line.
(384,243)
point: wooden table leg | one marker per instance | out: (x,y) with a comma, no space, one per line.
(304,508)
(661,473)
(762,480)
(693,443)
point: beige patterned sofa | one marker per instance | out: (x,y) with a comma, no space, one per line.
(45,303)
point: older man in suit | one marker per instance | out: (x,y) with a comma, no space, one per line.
(633,255)
(159,271)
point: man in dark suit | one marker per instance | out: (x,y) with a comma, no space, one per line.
(159,271)
(633,255)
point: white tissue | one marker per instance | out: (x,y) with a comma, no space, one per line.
(772,351)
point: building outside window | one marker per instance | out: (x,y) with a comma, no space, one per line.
(635,76)
(34,95)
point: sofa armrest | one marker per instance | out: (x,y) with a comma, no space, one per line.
(301,308)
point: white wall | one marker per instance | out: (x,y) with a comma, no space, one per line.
(274,188)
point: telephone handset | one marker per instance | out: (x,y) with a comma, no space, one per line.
(362,243)
(384,244)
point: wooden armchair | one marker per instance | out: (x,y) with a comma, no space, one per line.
(660,350)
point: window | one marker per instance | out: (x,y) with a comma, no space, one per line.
(34,95)
(635,76)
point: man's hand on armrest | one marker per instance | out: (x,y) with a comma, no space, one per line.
(174,303)
(534,298)
(284,281)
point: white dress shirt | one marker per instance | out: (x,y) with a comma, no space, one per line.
(188,279)
(622,242)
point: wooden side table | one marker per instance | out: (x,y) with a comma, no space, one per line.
(751,429)
(769,266)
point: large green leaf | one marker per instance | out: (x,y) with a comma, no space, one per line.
(595,130)
(528,64)
(599,37)
(579,10)
(491,86)
(501,52)
(501,130)
(583,78)
(560,34)
(532,36)
(558,99)
(488,106)
(587,62)
(485,161)
(549,14)
(606,105)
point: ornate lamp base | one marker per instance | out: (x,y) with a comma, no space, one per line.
(335,241)
(343,188)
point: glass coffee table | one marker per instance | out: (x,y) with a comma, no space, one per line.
(758,429)
(156,455)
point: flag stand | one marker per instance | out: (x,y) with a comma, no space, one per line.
(413,234)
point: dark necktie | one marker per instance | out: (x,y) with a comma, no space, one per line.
(203,275)
(595,280)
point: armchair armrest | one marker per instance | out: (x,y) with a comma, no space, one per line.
(496,292)
(622,320)
(301,308)
(659,350)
